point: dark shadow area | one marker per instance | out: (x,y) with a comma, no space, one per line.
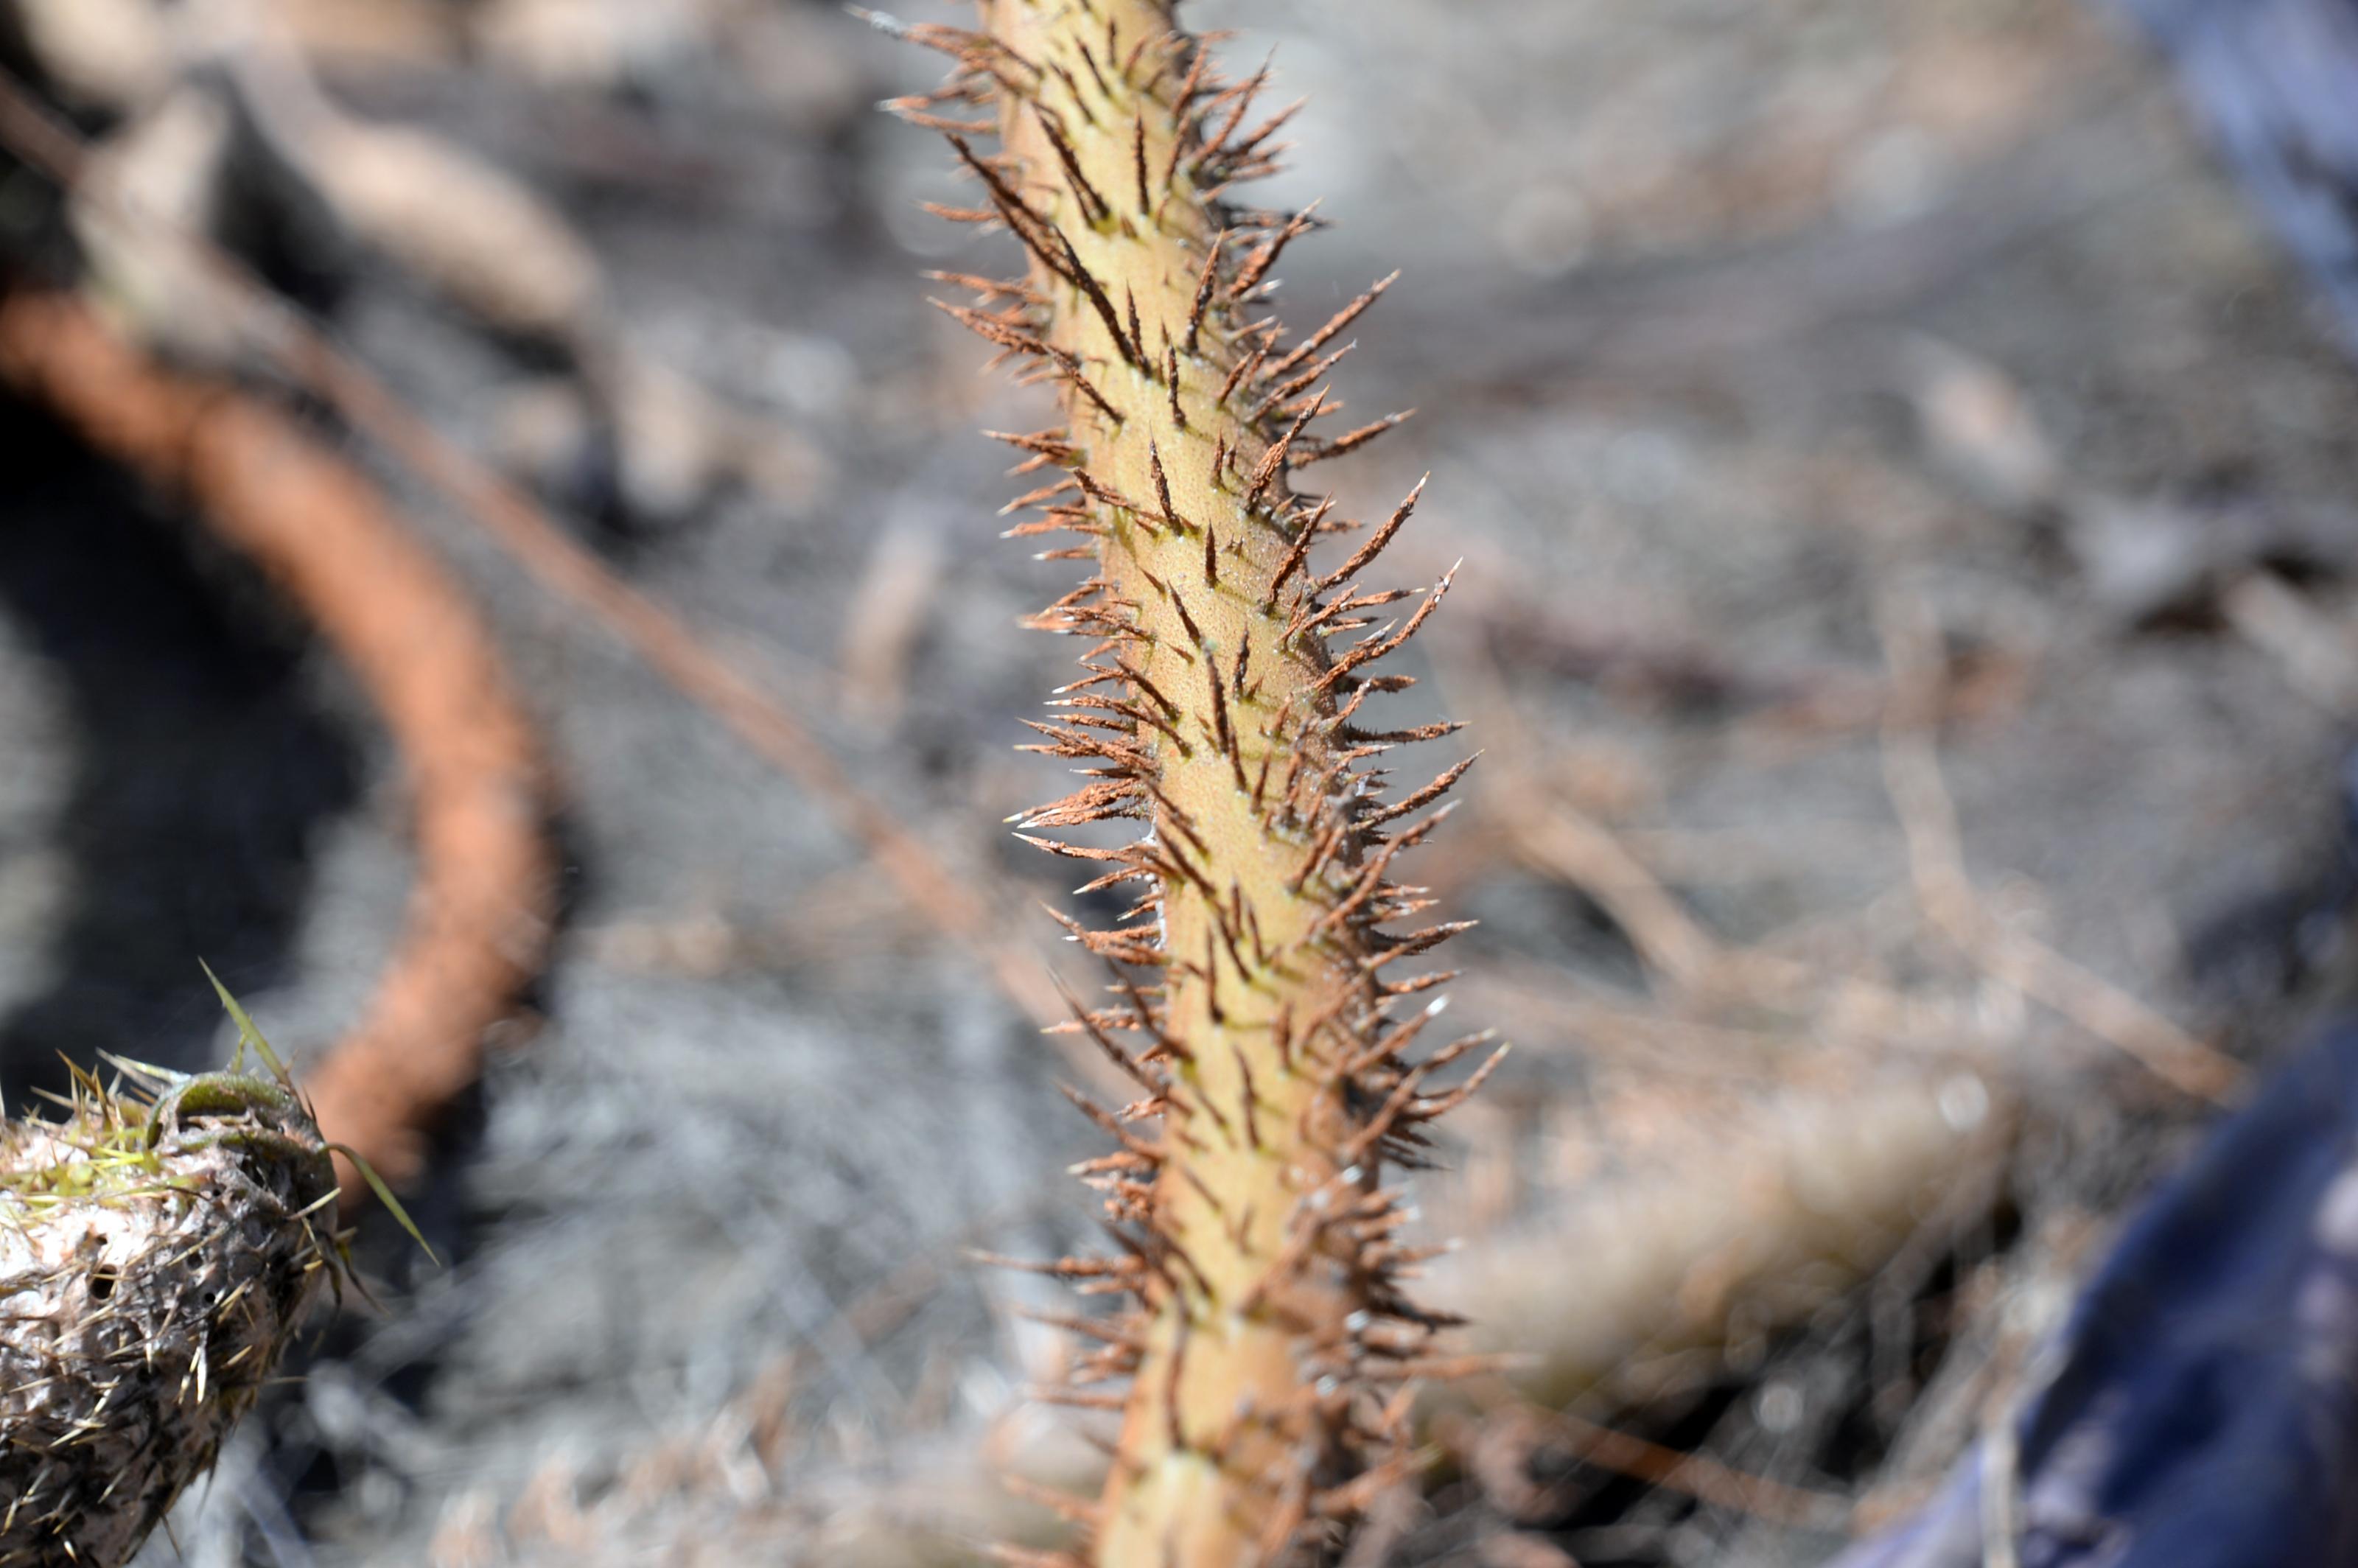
(203,762)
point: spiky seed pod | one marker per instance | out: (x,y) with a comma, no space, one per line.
(1270,1343)
(155,1261)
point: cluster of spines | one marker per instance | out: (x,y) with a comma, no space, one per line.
(231,1264)
(1221,703)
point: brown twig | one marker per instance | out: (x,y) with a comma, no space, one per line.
(759,719)
(293,345)
(1554,836)
(1519,1428)
(480,910)
(1912,771)
(1705,1479)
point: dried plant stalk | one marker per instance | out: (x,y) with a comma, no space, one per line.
(1270,1345)
(485,893)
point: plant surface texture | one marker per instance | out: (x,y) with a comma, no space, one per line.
(1225,704)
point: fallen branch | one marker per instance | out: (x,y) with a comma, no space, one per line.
(480,913)
(761,719)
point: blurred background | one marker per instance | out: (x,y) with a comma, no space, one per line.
(1901,455)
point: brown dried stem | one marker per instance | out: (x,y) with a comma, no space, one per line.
(1911,770)
(763,720)
(480,910)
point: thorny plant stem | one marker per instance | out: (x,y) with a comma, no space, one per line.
(1270,1349)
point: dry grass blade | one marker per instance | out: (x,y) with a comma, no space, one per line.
(1912,766)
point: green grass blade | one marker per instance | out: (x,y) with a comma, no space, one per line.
(384,1195)
(247,1035)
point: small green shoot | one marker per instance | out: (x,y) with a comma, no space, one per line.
(384,1195)
(249,1035)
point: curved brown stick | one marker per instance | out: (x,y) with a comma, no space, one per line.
(480,913)
(295,346)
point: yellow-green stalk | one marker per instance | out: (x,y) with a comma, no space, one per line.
(1271,1346)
